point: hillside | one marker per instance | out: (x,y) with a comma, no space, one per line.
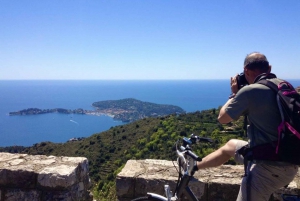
(130,109)
(152,138)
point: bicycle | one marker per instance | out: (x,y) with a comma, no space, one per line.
(186,160)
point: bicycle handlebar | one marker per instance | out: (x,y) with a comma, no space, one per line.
(193,155)
(185,155)
(200,139)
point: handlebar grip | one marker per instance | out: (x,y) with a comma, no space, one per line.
(193,155)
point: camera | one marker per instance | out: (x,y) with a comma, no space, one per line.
(241,80)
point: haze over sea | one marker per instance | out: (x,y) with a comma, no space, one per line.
(190,95)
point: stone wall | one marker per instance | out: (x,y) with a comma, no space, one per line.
(43,178)
(214,184)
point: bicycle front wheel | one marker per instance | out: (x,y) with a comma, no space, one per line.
(147,198)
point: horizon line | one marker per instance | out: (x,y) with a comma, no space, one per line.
(112,79)
(200,79)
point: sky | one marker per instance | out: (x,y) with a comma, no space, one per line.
(145,39)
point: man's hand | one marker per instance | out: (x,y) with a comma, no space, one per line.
(223,117)
(234,85)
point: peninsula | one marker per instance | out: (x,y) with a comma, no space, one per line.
(125,110)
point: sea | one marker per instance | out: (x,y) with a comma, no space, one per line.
(15,95)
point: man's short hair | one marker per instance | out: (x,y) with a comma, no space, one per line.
(256,61)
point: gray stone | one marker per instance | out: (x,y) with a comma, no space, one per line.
(62,176)
(39,178)
(18,194)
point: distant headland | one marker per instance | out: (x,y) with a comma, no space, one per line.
(125,110)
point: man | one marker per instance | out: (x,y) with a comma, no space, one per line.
(258,102)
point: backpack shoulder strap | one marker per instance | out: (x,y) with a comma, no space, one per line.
(269,84)
(275,89)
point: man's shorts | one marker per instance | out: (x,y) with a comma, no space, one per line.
(264,178)
(237,157)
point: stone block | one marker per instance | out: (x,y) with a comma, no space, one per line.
(39,177)
(24,195)
(16,172)
(18,178)
(221,183)
(125,187)
(60,176)
(59,195)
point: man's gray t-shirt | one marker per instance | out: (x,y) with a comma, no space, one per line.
(259,103)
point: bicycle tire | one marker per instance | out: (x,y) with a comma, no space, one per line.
(146,198)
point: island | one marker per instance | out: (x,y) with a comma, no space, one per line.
(125,110)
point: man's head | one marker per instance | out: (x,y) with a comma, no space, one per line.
(255,64)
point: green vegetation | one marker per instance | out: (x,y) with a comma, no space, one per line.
(147,138)
(130,109)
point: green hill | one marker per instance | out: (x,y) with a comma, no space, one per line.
(130,109)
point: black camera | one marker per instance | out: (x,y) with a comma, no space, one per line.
(241,80)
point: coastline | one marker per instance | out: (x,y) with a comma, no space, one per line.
(125,110)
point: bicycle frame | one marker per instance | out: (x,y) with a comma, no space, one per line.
(184,189)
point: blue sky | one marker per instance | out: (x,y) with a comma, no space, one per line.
(145,39)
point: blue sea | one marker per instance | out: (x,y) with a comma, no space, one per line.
(192,95)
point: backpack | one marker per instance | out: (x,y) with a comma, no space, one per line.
(287,147)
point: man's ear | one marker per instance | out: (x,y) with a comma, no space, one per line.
(269,70)
(247,72)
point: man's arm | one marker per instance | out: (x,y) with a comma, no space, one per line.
(224,118)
